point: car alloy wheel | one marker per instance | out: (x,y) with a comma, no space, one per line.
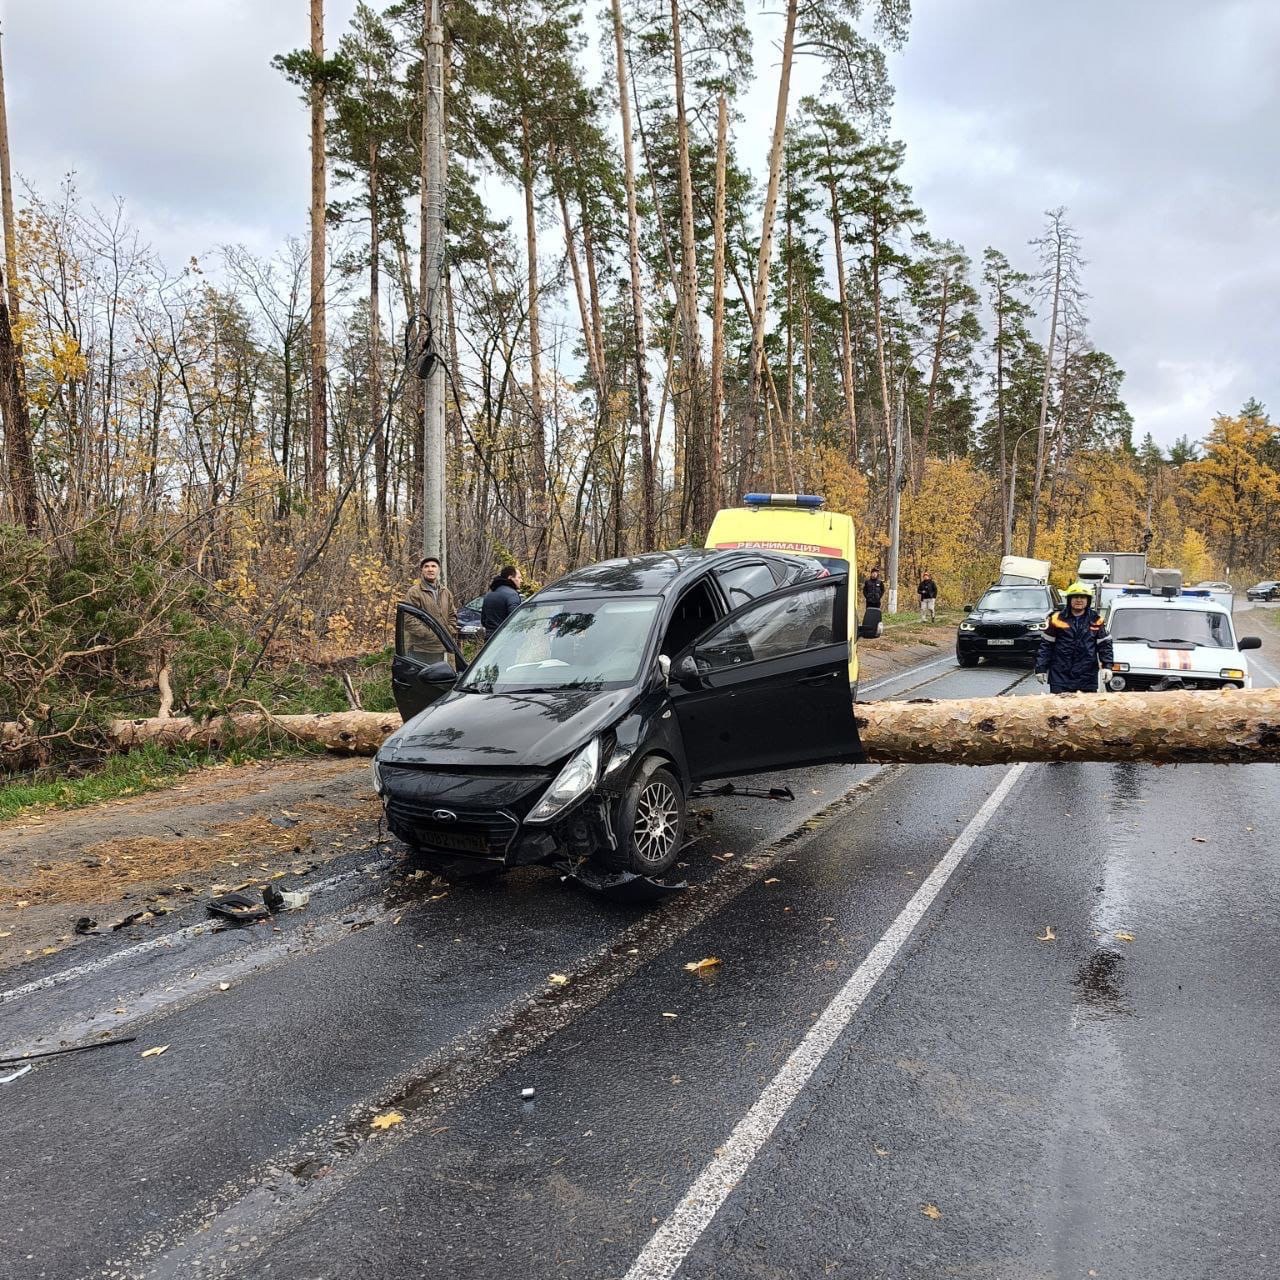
(657,821)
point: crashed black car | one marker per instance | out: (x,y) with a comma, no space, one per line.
(578,732)
(1006,624)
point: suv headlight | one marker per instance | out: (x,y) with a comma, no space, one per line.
(1036,626)
(572,783)
(377,775)
(967,626)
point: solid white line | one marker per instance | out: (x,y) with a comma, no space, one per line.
(902,675)
(1266,671)
(164,940)
(667,1249)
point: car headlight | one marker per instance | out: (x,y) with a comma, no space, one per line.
(377,775)
(572,783)
(1036,626)
(1119,666)
(967,626)
(1231,673)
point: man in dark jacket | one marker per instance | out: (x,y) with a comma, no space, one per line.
(432,597)
(501,600)
(928,593)
(1074,646)
(873,590)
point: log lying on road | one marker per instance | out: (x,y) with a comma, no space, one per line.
(1234,726)
(1231,726)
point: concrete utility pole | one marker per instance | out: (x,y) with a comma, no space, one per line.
(434,541)
(895,507)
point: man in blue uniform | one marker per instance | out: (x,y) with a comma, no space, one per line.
(1075,645)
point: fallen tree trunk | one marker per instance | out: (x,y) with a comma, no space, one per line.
(1236,726)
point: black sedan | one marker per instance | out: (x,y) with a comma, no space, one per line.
(1265,590)
(1006,624)
(580,729)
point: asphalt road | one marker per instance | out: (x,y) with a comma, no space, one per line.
(964,1022)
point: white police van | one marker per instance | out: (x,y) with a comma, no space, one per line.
(1166,637)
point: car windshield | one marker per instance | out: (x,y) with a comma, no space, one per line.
(1019,599)
(562,644)
(1172,626)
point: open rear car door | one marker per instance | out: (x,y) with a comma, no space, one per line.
(767,687)
(418,679)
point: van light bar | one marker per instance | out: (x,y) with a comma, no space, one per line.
(809,500)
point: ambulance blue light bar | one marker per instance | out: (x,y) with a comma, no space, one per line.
(810,501)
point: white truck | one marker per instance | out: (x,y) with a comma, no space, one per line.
(1167,637)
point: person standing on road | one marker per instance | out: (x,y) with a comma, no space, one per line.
(873,590)
(1075,645)
(501,600)
(928,593)
(433,598)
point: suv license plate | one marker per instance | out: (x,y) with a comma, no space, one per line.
(999,641)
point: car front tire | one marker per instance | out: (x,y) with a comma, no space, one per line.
(649,822)
(966,659)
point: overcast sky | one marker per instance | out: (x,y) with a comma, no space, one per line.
(1154,121)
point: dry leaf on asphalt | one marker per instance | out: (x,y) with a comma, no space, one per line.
(670,1015)
(386,1120)
(696,966)
(931,1211)
(881,1151)
(558,980)
(1124,937)
(224,986)
(155,1052)
(1201,839)
(773,880)
(1048,935)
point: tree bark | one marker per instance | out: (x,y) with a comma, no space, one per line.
(13,381)
(376,424)
(1234,726)
(717,308)
(319,374)
(538,434)
(648,497)
(846,337)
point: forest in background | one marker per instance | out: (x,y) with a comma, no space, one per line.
(215,472)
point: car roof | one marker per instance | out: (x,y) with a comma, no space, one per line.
(652,574)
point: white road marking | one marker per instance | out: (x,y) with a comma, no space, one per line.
(164,940)
(671,1244)
(902,675)
(1266,670)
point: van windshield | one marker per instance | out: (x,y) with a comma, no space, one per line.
(565,644)
(1172,626)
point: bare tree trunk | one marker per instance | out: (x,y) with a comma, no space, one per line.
(846,346)
(319,372)
(376,425)
(1236,726)
(717,309)
(647,478)
(759,300)
(933,380)
(1058,234)
(13,382)
(594,355)
(1006,492)
(538,434)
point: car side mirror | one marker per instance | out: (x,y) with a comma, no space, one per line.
(1250,642)
(686,672)
(968,608)
(438,673)
(664,666)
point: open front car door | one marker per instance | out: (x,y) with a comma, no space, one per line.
(427,661)
(767,688)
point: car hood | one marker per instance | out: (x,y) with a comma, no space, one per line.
(1005,615)
(505,730)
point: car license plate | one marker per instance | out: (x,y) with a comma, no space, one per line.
(467,841)
(999,641)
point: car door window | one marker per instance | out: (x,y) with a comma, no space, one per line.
(746,582)
(695,611)
(774,628)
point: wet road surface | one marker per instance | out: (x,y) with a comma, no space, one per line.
(969,1022)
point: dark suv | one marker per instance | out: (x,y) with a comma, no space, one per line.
(579,730)
(1265,590)
(1006,623)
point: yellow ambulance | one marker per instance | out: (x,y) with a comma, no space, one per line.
(799,523)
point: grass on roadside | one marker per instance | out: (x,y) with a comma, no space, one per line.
(149,768)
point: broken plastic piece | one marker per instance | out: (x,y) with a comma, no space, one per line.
(13,1075)
(290,900)
(622,886)
(526,1093)
(746,793)
(239,908)
(85,925)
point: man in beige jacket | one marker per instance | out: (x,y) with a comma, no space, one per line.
(431,596)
